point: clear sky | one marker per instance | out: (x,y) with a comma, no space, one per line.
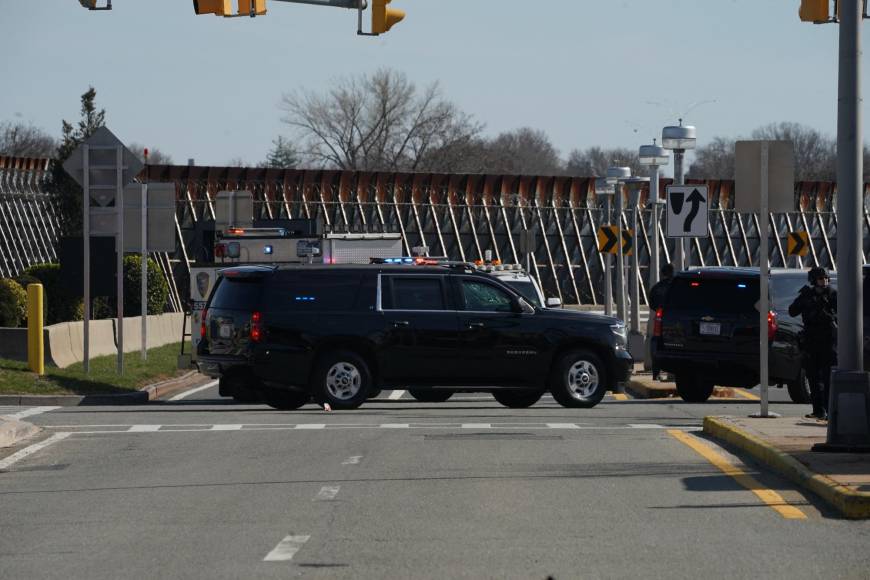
(587,72)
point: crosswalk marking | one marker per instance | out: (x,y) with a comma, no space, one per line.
(18,413)
(286,549)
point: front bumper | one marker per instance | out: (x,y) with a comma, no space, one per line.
(621,368)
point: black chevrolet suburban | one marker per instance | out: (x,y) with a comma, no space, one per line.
(707,331)
(338,334)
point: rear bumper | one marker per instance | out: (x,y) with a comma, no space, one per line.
(216,366)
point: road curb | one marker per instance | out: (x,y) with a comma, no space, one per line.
(12,431)
(642,390)
(852,504)
(143,395)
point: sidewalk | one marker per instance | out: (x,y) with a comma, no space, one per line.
(783,445)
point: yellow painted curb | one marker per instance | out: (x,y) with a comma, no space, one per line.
(852,504)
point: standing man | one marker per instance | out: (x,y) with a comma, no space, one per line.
(817,305)
(656,300)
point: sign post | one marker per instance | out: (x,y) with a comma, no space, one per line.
(765,183)
(102,166)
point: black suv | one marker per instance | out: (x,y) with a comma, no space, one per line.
(338,334)
(707,331)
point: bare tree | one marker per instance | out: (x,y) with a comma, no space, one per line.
(594,161)
(25,140)
(377,122)
(523,151)
(155,155)
(815,155)
(714,160)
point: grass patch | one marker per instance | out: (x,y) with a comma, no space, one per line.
(16,378)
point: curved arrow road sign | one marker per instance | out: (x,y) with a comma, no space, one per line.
(687,211)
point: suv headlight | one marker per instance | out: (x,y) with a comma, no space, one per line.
(620,334)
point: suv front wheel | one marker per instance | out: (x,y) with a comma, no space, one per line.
(692,388)
(342,379)
(579,379)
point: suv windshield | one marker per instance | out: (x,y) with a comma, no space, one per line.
(724,296)
(527,290)
(237,293)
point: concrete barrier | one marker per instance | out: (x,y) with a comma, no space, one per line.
(63,341)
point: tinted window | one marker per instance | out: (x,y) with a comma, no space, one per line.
(732,296)
(527,290)
(784,289)
(418,293)
(237,293)
(314,291)
(481,297)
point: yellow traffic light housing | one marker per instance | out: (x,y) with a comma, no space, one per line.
(383,17)
(817,11)
(216,7)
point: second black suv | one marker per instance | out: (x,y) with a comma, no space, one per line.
(337,334)
(707,331)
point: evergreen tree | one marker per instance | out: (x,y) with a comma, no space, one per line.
(282,155)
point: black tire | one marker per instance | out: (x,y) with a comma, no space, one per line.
(517,399)
(341,378)
(285,400)
(430,395)
(692,388)
(799,389)
(579,379)
(374,393)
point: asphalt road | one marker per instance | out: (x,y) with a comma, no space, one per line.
(204,488)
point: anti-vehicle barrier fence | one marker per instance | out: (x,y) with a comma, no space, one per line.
(462,216)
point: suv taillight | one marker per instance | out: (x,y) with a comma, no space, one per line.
(202,326)
(771,324)
(657,323)
(256,327)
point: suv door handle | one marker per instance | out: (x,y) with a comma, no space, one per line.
(472,325)
(401,323)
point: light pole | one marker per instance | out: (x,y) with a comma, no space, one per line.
(605,190)
(679,139)
(653,156)
(635,184)
(615,176)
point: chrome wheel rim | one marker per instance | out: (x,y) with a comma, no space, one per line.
(343,381)
(583,379)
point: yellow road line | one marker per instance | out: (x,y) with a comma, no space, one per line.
(620,396)
(768,496)
(747,395)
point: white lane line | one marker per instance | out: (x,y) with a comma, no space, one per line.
(645,426)
(311,426)
(352,460)
(226,427)
(28,451)
(286,549)
(186,394)
(327,492)
(476,426)
(30,412)
(395,425)
(396,395)
(143,428)
(562,426)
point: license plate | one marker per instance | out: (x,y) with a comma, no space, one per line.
(711,328)
(225,330)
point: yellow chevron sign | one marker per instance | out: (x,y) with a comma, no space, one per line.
(607,236)
(798,244)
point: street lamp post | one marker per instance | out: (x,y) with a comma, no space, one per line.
(616,176)
(679,139)
(635,184)
(653,156)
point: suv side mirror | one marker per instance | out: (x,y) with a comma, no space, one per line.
(554,303)
(524,307)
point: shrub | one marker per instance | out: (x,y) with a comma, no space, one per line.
(62,305)
(13,303)
(158,289)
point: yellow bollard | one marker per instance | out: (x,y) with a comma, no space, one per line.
(35,346)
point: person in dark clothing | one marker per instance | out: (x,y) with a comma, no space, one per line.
(817,305)
(656,300)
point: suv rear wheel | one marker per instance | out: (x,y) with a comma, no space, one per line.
(342,379)
(579,379)
(799,389)
(517,399)
(430,396)
(692,388)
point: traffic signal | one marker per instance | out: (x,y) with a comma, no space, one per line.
(252,7)
(383,18)
(817,11)
(216,7)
